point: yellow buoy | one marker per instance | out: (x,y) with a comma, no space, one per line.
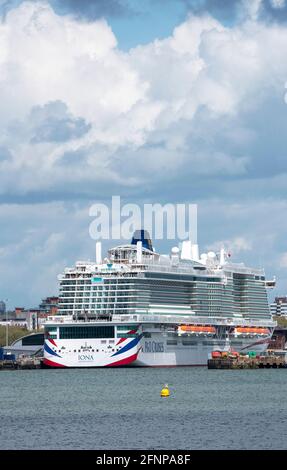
(165,391)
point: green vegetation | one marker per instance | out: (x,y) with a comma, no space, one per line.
(281,321)
(14,333)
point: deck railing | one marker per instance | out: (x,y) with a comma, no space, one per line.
(167,319)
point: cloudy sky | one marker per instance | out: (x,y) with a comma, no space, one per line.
(159,101)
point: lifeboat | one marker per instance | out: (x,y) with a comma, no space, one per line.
(197,329)
(215,354)
(251,331)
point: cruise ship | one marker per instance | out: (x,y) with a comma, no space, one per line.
(137,307)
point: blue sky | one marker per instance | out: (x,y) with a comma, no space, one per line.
(133,22)
(156,101)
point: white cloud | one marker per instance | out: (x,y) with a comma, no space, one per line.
(46,57)
(132,100)
(251,8)
(234,247)
(278,3)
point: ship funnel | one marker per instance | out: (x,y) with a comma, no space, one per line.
(194,253)
(98,252)
(139,252)
(142,236)
(186,250)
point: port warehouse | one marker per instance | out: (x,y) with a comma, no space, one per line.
(28,345)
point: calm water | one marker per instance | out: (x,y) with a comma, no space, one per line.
(122,409)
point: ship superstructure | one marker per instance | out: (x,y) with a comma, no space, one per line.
(139,307)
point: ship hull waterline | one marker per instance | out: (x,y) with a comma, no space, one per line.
(155,352)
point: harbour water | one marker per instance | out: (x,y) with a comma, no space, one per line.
(122,409)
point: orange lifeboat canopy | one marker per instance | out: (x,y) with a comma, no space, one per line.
(254,331)
(215,354)
(197,329)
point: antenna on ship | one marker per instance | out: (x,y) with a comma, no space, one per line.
(222,257)
(139,252)
(98,252)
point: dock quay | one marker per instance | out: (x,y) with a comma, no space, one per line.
(225,360)
(21,363)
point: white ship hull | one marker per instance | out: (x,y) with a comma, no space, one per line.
(139,351)
(189,355)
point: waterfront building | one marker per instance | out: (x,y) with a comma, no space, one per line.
(27,345)
(279,307)
(49,305)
